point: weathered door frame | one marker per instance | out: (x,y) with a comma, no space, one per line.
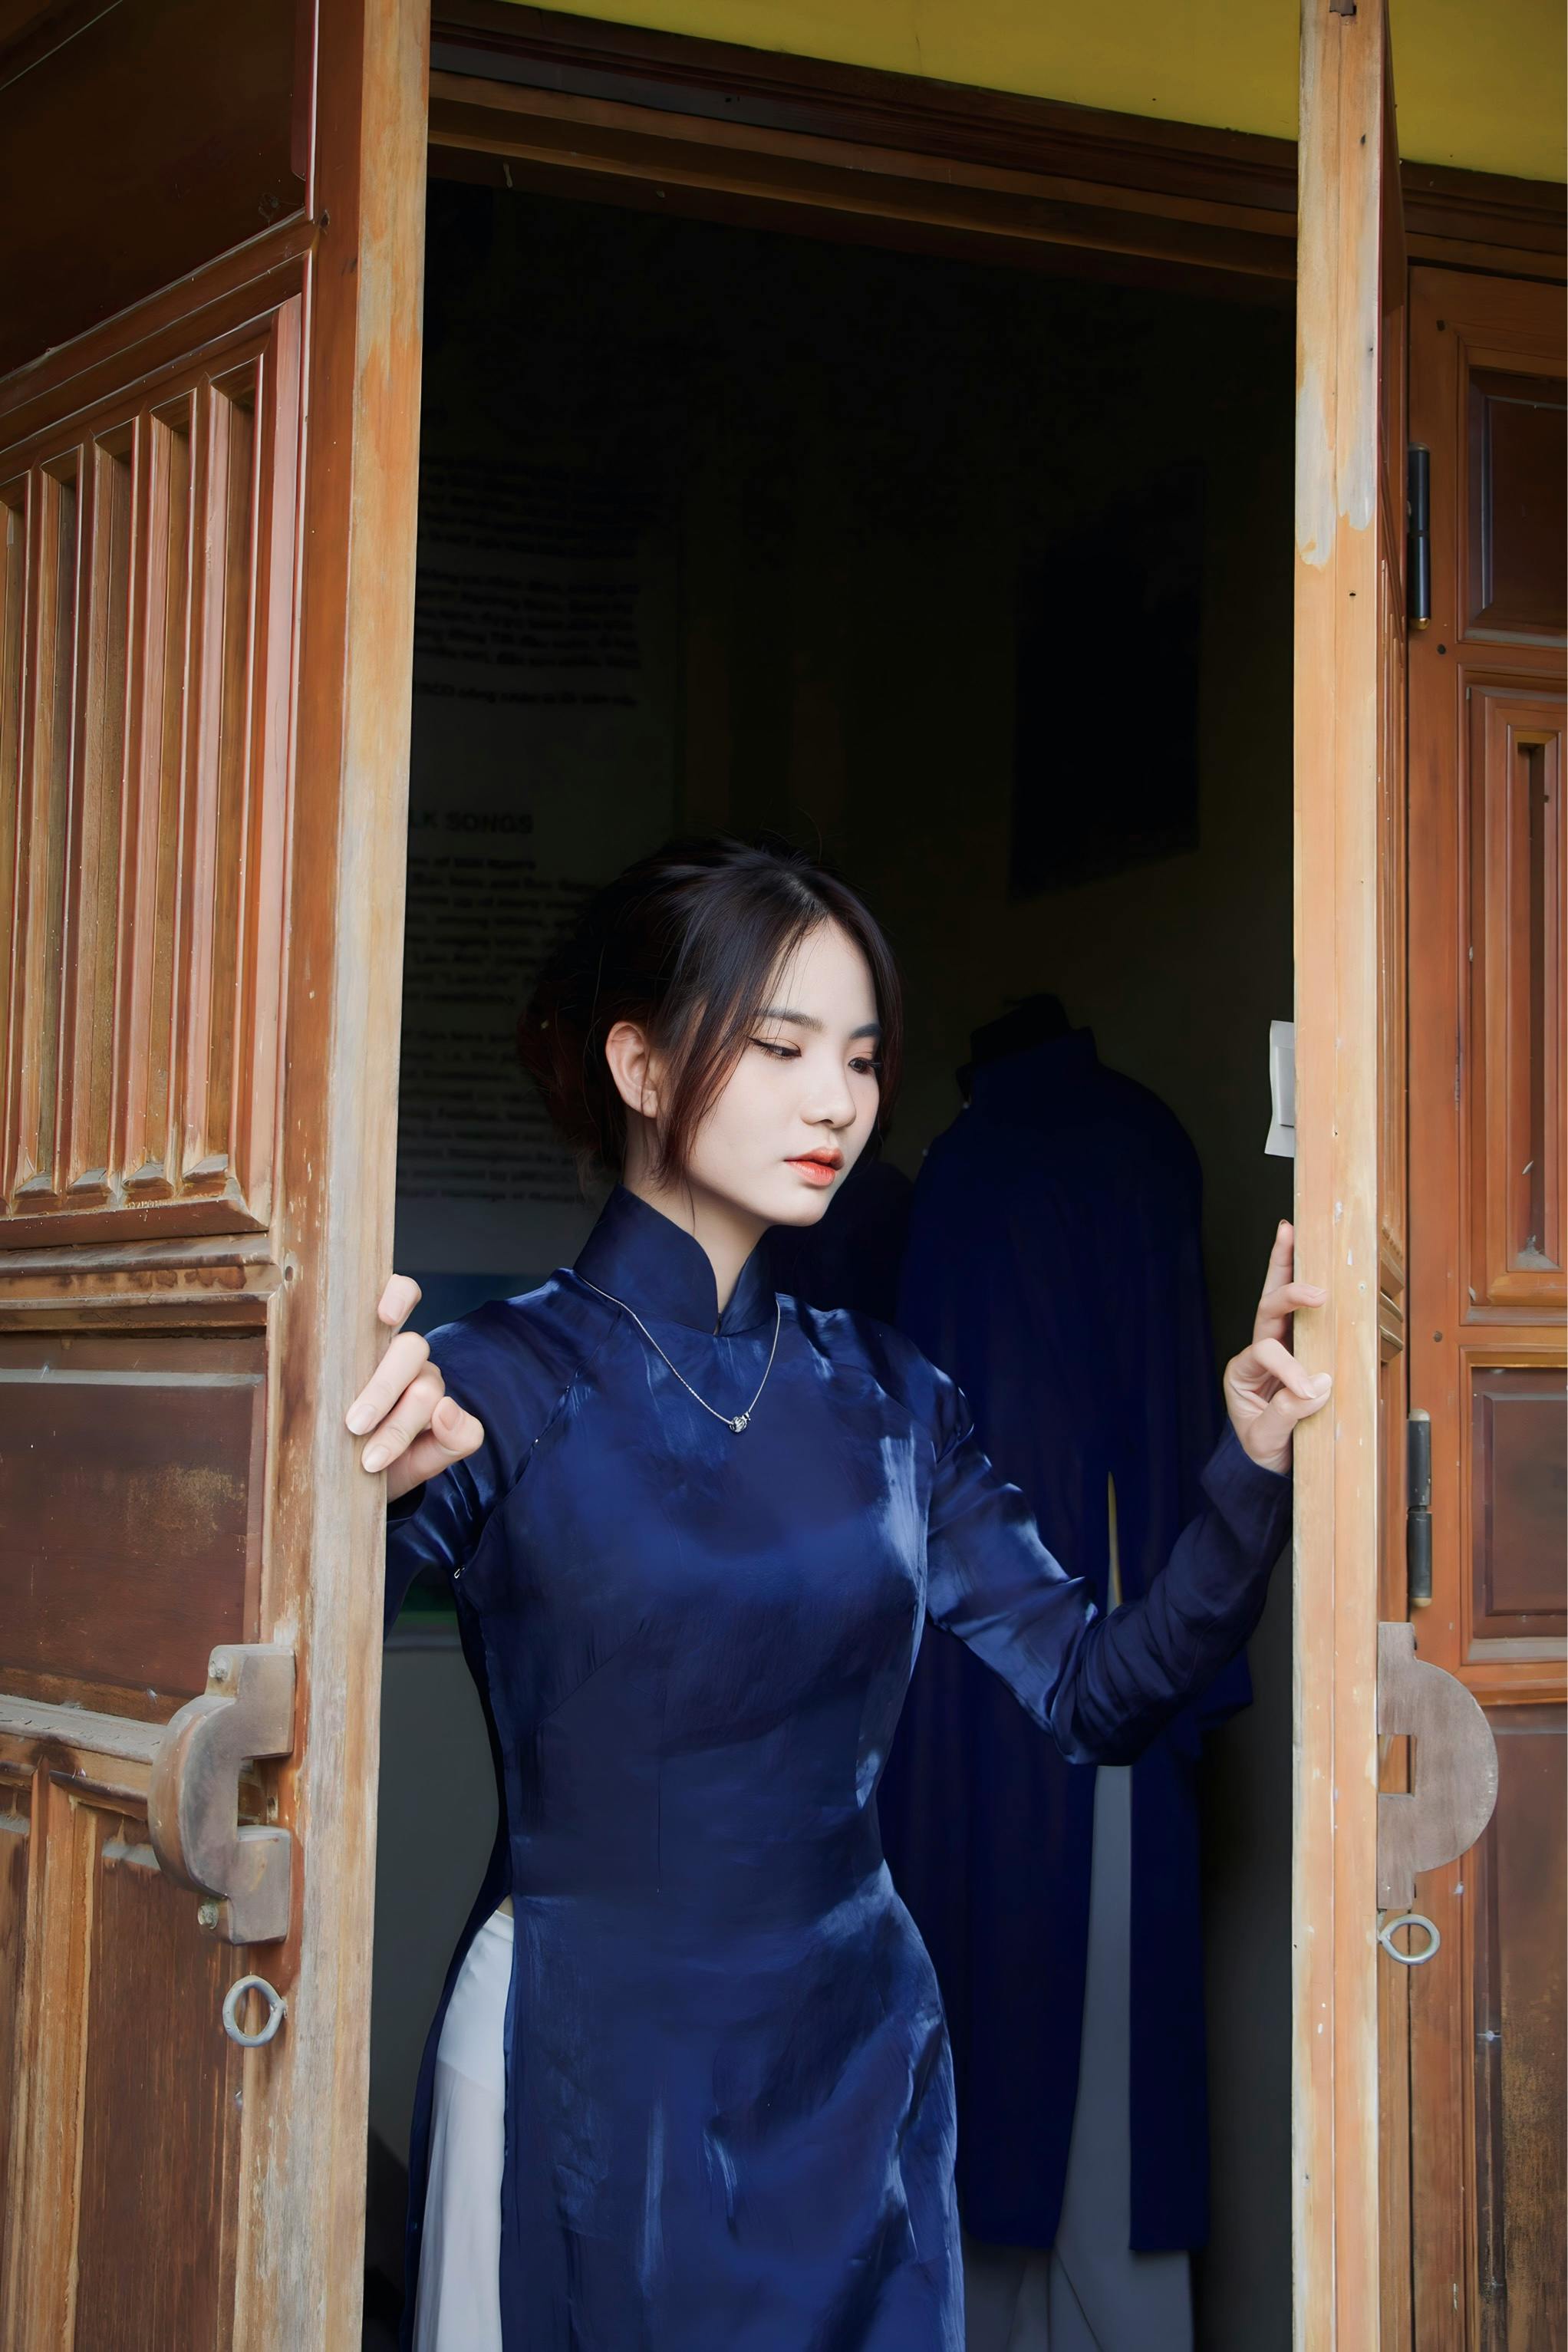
(523,99)
(1348,982)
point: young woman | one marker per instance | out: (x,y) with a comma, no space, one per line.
(689,2086)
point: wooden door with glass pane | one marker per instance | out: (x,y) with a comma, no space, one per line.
(1394,1764)
(207,463)
(1488,1056)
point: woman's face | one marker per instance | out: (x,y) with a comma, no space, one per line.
(799,1106)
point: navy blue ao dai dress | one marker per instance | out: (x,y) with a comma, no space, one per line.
(729,2107)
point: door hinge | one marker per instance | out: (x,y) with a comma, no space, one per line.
(1417,536)
(1452,1768)
(1418,1511)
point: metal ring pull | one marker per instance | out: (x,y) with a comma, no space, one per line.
(232,1998)
(1409,1919)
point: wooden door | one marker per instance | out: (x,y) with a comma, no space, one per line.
(207,465)
(1488,1055)
(1394,1764)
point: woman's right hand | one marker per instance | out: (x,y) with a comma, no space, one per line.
(412,1428)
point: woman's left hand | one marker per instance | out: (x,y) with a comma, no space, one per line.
(1265,1390)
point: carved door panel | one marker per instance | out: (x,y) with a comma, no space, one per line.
(1487,1056)
(206,518)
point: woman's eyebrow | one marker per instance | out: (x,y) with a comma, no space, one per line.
(810,1021)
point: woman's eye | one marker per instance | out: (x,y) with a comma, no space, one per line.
(863,1065)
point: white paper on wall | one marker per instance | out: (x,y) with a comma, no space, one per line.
(1281,1141)
(542,762)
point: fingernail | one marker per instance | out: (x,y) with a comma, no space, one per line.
(376,1457)
(1322,1384)
(1314,1290)
(359,1420)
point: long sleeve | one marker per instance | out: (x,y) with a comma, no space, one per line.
(435,1526)
(492,1361)
(1166,1414)
(1103,1684)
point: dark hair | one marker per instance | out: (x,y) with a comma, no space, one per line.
(685,943)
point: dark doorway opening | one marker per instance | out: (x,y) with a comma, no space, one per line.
(979,580)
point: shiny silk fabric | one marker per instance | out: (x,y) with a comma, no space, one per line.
(729,2106)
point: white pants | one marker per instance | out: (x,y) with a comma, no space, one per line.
(1089,2292)
(458,2302)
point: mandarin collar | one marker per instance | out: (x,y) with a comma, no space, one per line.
(655,1267)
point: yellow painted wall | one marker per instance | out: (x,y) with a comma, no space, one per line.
(1481,82)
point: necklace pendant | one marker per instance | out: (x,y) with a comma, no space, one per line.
(740,1422)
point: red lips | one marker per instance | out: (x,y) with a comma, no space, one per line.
(818,1167)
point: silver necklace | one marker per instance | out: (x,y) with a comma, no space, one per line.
(736,1420)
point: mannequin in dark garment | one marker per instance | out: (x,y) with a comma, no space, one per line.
(1033,1021)
(1031,2157)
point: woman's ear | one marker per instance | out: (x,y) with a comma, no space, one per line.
(634,1068)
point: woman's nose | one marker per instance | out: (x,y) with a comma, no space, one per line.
(832,1106)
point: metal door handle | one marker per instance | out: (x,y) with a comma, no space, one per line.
(193,1798)
(1454,1767)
